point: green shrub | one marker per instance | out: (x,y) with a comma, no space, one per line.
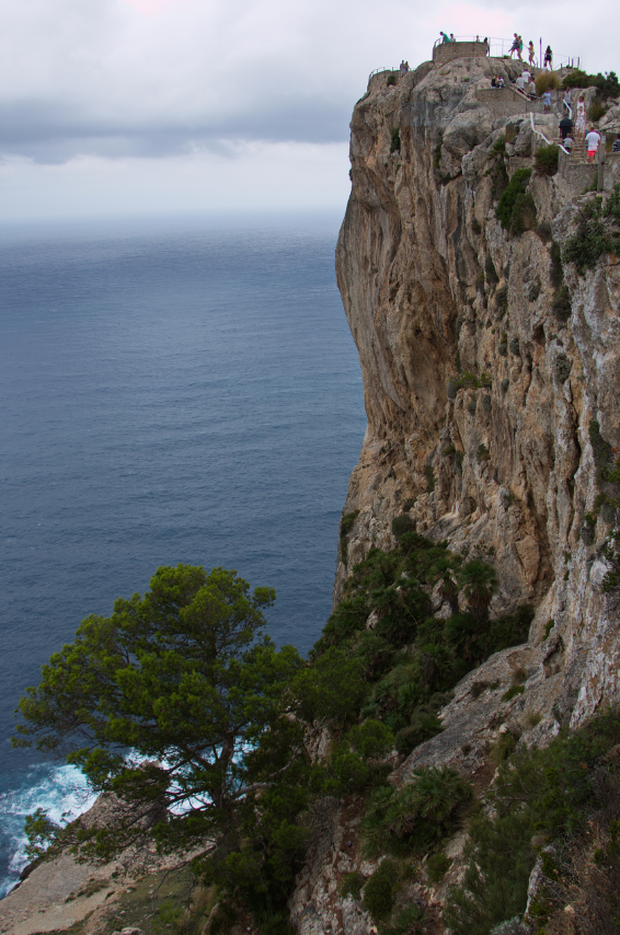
(483,454)
(424,725)
(578,79)
(429,474)
(601,450)
(546,161)
(371,739)
(379,892)
(524,217)
(346,525)
(402,524)
(391,81)
(611,552)
(437,866)
(561,304)
(512,692)
(544,231)
(557,793)
(490,271)
(409,921)
(352,884)
(596,110)
(395,143)
(556,271)
(598,232)
(414,818)
(517,186)
(467,380)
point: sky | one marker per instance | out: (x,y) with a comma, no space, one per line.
(134,107)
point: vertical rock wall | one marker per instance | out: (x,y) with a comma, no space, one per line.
(434,288)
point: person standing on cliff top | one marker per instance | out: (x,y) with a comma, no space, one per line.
(444,36)
(548,58)
(531,54)
(515,45)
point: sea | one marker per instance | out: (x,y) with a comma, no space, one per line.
(172,390)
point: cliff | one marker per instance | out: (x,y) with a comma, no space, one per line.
(490,375)
(434,288)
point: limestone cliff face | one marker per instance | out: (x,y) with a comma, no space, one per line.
(433,284)
(502,468)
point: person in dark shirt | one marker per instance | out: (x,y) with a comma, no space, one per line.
(616,147)
(566,127)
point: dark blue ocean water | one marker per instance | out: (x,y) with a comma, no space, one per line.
(170,391)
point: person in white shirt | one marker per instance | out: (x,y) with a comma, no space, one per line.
(520,83)
(592,140)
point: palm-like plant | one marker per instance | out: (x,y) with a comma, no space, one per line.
(445,570)
(479,582)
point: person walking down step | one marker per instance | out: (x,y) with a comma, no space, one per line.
(592,142)
(566,127)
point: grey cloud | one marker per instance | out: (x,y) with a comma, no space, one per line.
(52,134)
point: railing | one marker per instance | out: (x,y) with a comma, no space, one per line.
(378,71)
(543,137)
(499,47)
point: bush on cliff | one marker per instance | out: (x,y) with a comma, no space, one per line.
(516,186)
(546,161)
(597,233)
(560,803)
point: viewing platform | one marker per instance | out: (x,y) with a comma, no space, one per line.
(447,51)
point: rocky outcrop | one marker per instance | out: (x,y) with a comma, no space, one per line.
(486,400)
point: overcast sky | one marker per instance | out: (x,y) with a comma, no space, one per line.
(155,106)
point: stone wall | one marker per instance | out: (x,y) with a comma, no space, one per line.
(448,51)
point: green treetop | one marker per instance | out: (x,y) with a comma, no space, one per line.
(160,702)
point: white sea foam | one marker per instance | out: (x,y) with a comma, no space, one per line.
(62,792)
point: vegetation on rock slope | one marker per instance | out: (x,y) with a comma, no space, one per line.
(222,721)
